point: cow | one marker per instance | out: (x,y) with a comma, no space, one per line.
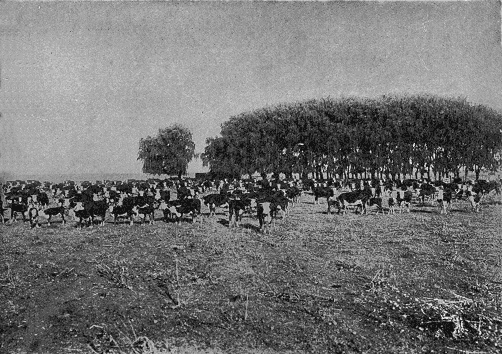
(18,207)
(81,214)
(474,199)
(294,193)
(33,214)
(122,211)
(50,212)
(427,191)
(264,213)
(2,210)
(322,192)
(97,208)
(43,199)
(177,208)
(377,202)
(404,198)
(486,187)
(355,198)
(236,207)
(214,200)
(145,211)
(183,192)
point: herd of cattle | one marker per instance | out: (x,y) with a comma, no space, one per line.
(88,203)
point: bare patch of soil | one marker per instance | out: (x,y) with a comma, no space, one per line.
(417,282)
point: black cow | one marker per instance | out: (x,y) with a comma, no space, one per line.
(53,212)
(426,190)
(43,199)
(294,193)
(183,193)
(1,211)
(322,192)
(18,207)
(444,200)
(356,198)
(264,213)
(485,187)
(213,201)
(377,202)
(177,208)
(236,207)
(97,208)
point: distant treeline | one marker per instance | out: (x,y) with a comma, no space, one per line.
(395,136)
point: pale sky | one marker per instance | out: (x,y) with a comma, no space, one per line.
(82,82)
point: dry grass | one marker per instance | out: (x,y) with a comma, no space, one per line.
(410,283)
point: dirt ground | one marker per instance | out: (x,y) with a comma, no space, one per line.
(417,282)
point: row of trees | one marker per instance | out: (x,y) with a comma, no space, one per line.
(390,135)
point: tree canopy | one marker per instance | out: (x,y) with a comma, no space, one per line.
(389,135)
(169,152)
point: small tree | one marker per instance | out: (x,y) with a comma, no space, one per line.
(167,153)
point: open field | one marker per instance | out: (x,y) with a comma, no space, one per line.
(406,283)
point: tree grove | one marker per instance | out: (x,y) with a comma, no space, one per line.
(394,136)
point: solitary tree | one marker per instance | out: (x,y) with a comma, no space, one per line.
(167,153)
